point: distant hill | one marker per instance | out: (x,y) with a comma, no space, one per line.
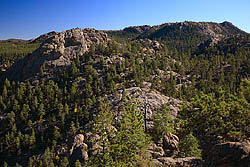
(13,41)
(185,35)
(12,50)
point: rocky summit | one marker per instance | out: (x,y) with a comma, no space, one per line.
(175,94)
(209,30)
(57,49)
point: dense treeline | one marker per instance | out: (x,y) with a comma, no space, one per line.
(13,50)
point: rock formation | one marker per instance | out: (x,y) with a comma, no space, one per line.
(57,50)
(77,149)
(147,101)
(230,154)
(180,162)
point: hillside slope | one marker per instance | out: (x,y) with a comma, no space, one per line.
(167,95)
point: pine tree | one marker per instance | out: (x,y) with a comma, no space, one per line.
(103,127)
(41,111)
(5,91)
(51,164)
(31,161)
(7,83)
(11,117)
(66,109)
(16,106)
(77,163)
(56,134)
(189,146)
(18,145)
(163,122)
(64,162)
(130,139)
(245,89)
(74,89)
(25,112)
(35,102)
(32,140)
(74,69)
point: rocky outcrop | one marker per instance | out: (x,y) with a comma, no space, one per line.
(150,46)
(215,31)
(170,145)
(148,101)
(211,32)
(93,143)
(44,37)
(166,146)
(80,147)
(58,49)
(77,149)
(230,154)
(156,150)
(179,162)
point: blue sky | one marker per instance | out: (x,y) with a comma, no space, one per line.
(28,19)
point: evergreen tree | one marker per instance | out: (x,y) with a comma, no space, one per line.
(130,139)
(41,111)
(56,134)
(31,162)
(163,122)
(78,164)
(189,146)
(64,162)
(32,140)
(103,127)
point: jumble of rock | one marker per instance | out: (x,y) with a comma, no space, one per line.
(147,100)
(165,146)
(163,152)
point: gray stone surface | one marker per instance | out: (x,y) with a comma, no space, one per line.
(147,99)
